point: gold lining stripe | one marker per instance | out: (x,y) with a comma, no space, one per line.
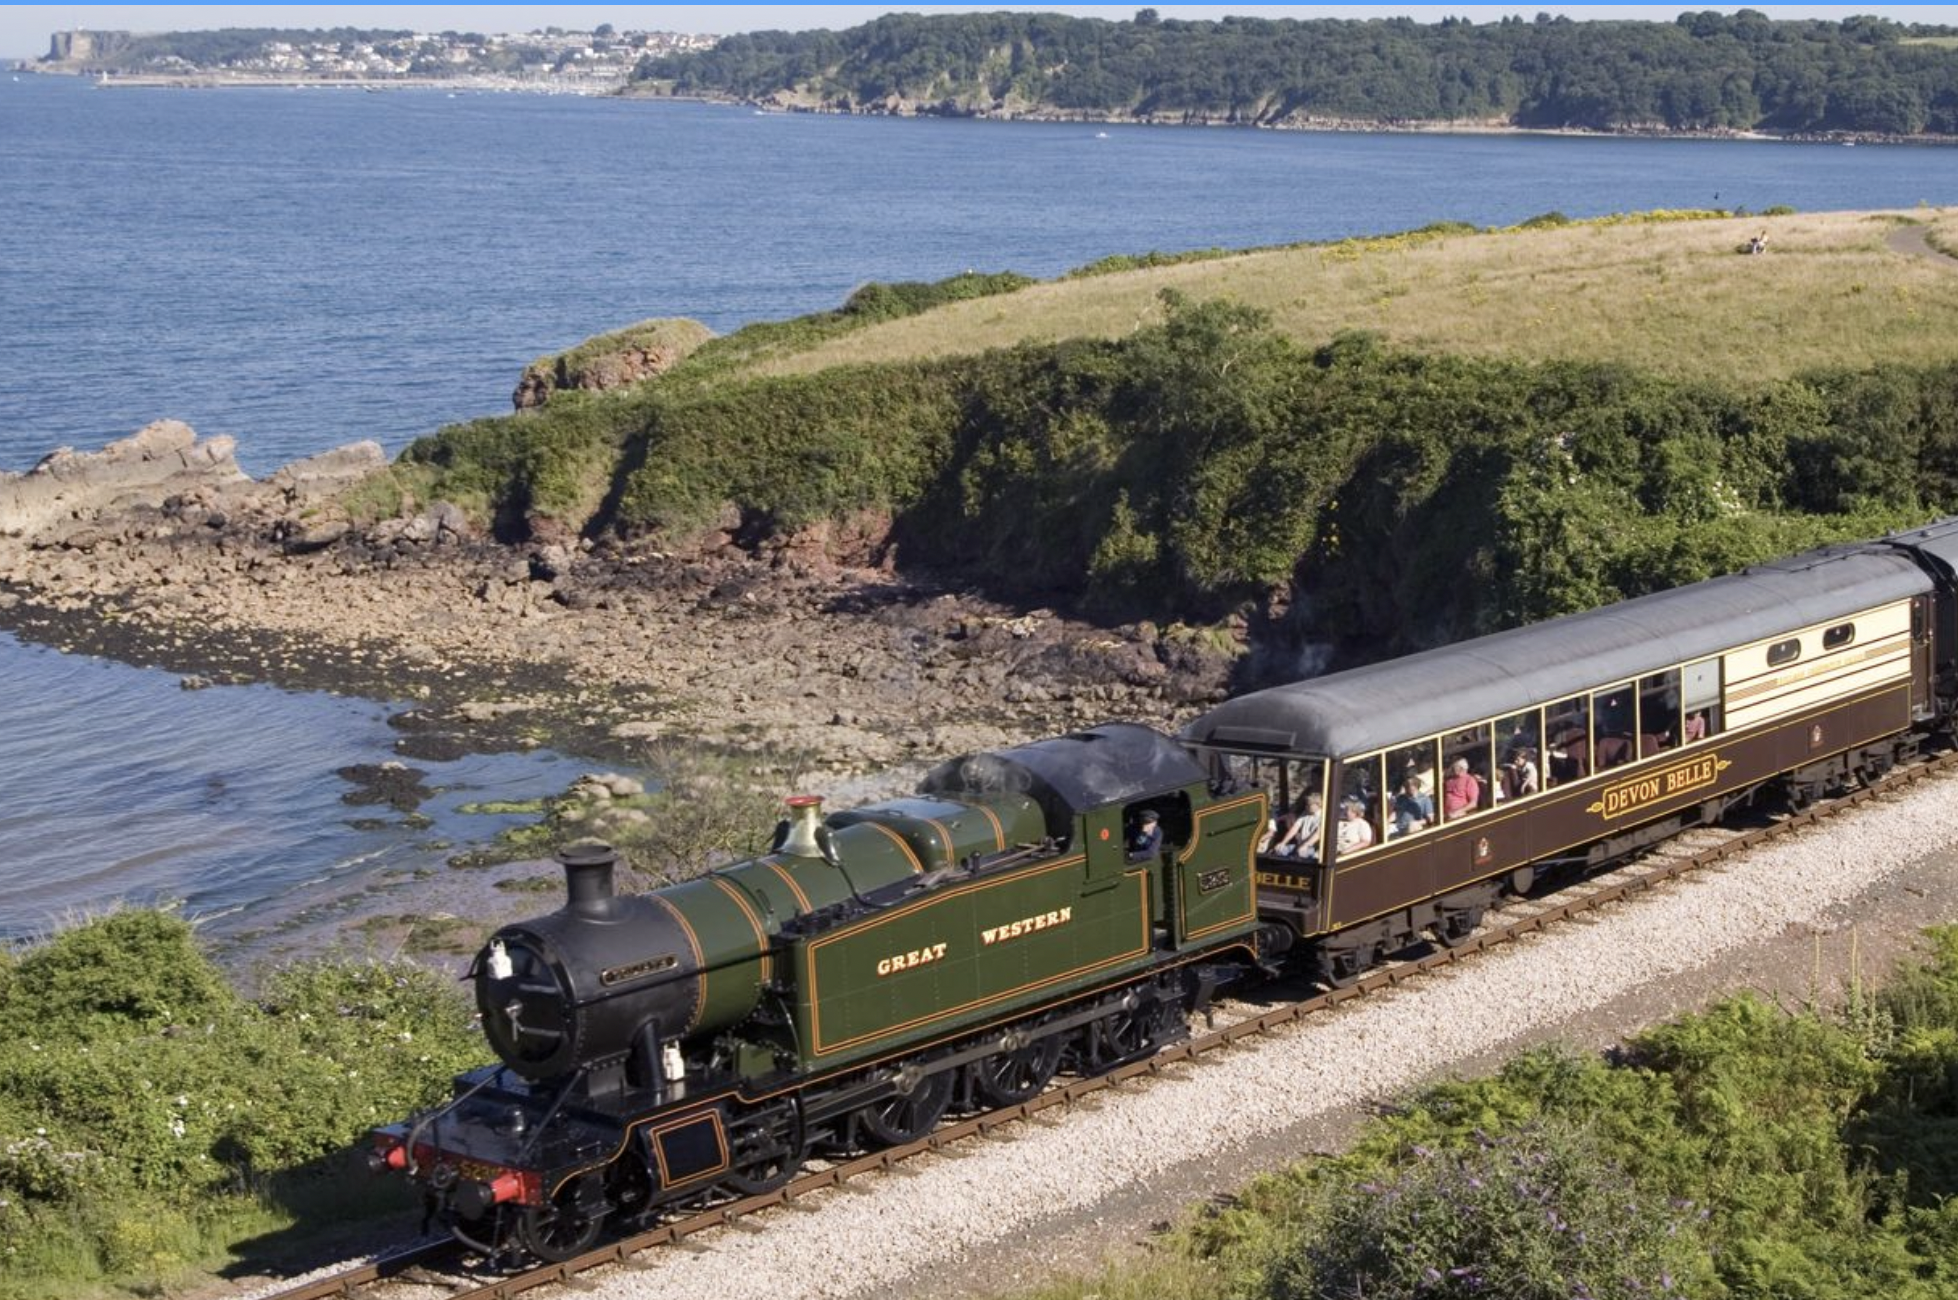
(864,927)
(951,845)
(1536,856)
(1250,867)
(761,936)
(820,1049)
(999,830)
(1851,678)
(789,880)
(699,961)
(917,867)
(720,1140)
(1895,646)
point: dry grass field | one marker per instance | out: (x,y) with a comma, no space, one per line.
(1675,297)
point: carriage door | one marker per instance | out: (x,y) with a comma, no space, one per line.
(1923,702)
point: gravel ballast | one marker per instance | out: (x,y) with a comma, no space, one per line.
(940,1212)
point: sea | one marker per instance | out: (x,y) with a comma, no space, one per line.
(300,268)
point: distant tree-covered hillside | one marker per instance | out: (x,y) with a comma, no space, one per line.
(1705,71)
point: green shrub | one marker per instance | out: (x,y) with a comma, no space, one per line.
(151,1117)
(1540,1213)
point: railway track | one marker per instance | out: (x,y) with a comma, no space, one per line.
(436,1263)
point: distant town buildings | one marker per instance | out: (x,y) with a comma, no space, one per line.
(602,59)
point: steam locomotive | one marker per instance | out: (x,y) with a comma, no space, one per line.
(883,965)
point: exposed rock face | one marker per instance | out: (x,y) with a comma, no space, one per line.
(617,360)
(329,472)
(147,466)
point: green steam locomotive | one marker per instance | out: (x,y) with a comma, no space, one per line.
(1062,904)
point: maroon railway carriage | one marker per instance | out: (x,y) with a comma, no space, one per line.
(1411,794)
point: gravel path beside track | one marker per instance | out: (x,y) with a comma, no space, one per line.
(927,1221)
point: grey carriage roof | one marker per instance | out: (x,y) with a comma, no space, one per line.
(1936,543)
(1387,703)
(1113,763)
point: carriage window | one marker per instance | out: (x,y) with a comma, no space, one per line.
(1784,652)
(1358,823)
(1614,722)
(1467,766)
(1567,740)
(1658,712)
(1519,752)
(1699,701)
(1838,636)
(1298,818)
(1411,804)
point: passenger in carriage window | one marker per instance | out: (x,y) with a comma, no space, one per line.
(1354,832)
(1414,807)
(1519,774)
(1301,838)
(1695,728)
(1461,793)
(1611,750)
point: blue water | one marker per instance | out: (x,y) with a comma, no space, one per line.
(122,786)
(303,268)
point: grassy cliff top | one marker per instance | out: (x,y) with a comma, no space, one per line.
(1667,293)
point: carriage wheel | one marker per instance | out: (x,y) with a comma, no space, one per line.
(906,1116)
(1009,1078)
(1452,929)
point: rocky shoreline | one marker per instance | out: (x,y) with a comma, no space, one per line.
(1007,111)
(815,653)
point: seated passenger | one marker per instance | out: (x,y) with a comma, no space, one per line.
(1354,832)
(1148,838)
(1519,775)
(1611,750)
(1461,793)
(1414,807)
(1301,838)
(1570,758)
(1695,728)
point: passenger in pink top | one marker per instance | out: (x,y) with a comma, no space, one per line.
(1461,793)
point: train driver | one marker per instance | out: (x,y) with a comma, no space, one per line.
(1147,841)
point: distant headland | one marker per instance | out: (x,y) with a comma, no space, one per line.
(600,61)
(1704,74)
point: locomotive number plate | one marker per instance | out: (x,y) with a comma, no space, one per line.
(634,970)
(1210,882)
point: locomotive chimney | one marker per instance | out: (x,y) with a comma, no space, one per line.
(588,876)
(805,817)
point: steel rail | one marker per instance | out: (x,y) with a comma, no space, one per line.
(1571,901)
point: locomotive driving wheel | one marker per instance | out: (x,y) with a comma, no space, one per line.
(562,1229)
(909,1113)
(1011,1077)
(768,1148)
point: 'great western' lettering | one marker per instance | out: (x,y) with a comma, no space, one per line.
(1027,925)
(906,960)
